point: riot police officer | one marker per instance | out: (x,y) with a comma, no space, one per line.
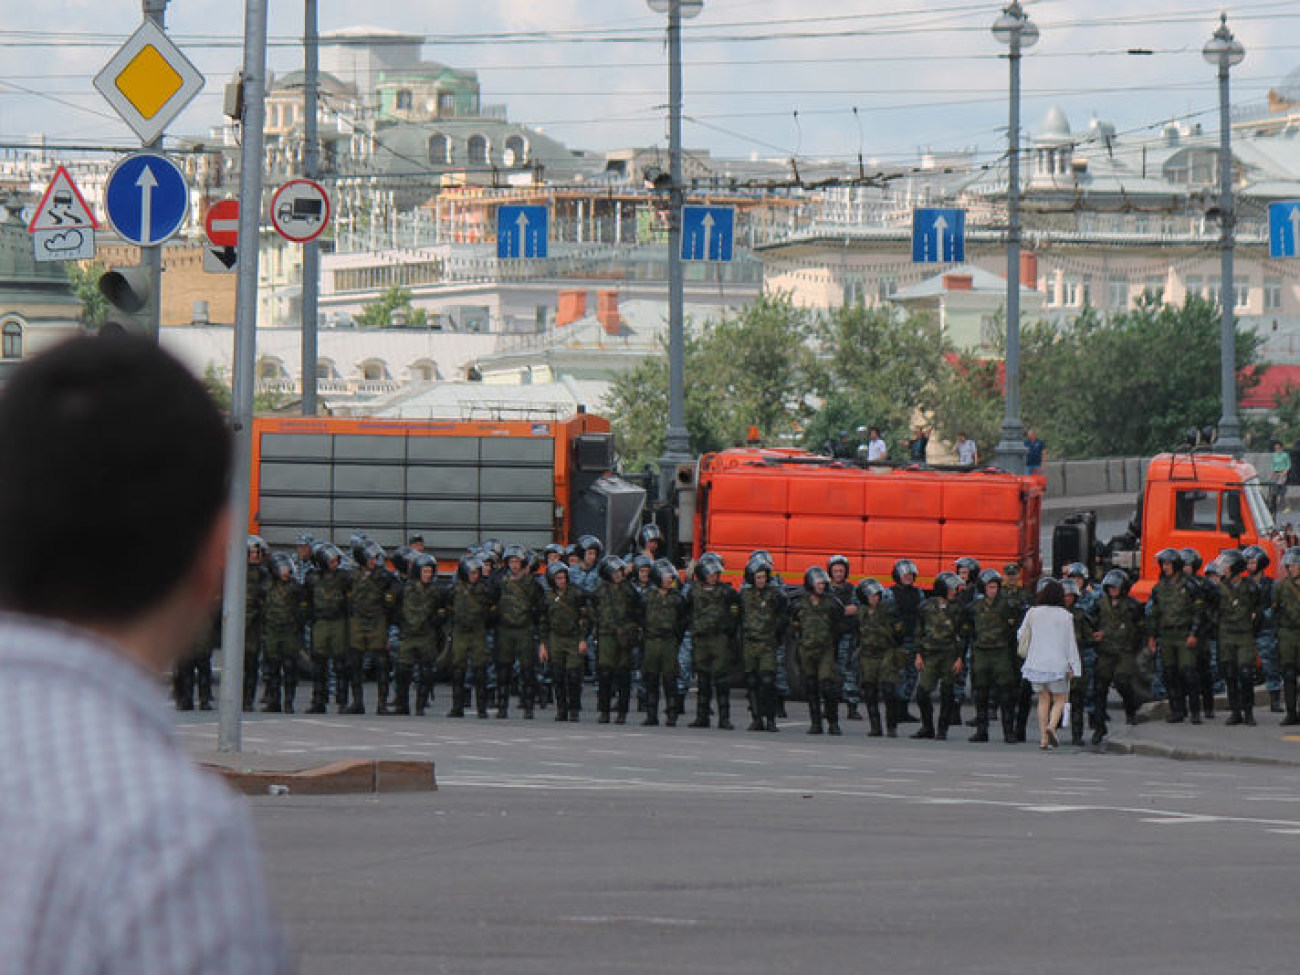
(565,627)
(1240,603)
(619,618)
(846,642)
(473,611)
(284,614)
(712,612)
(907,597)
(256,580)
(519,610)
(1257,561)
(993,621)
(1176,617)
(940,660)
(881,656)
(372,599)
(817,620)
(1084,627)
(418,606)
(764,617)
(327,602)
(665,622)
(1286,615)
(1118,639)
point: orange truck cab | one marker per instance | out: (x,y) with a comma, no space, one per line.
(1208,502)
(804,507)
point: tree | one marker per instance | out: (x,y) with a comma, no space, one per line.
(746,371)
(218,386)
(874,368)
(380,314)
(84,279)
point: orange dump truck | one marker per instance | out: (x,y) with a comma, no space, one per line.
(455,482)
(803,507)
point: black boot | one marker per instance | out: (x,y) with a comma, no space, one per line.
(358,705)
(981,717)
(381,686)
(702,702)
(1175,697)
(1275,701)
(623,684)
(891,706)
(604,691)
(457,694)
(527,690)
(751,697)
(722,692)
(503,689)
(1024,701)
(1192,685)
(1246,691)
(481,692)
(831,706)
(1289,693)
(926,708)
(1008,699)
(290,690)
(670,701)
(560,687)
(947,707)
(272,705)
(319,685)
(403,703)
(813,695)
(1129,697)
(204,682)
(1207,693)
(1234,696)
(1076,717)
(853,713)
(1100,720)
(651,684)
(871,697)
(574,677)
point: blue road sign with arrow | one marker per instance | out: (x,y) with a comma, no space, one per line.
(938,236)
(146,198)
(708,233)
(521,231)
(1284,229)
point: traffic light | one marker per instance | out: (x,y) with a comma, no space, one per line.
(133,303)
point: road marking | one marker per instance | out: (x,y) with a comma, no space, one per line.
(562,764)
(676,922)
(476,758)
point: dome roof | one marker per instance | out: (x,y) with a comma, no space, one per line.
(1055,124)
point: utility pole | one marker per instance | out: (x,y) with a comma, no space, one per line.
(310,169)
(252,161)
(151,257)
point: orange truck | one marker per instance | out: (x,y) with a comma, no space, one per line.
(1205,501)
(803,507)
(455,482)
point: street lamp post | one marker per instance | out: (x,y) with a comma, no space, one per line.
(1015,29)
(1225,51)
(677,442)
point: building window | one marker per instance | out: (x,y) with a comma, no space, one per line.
(1194,286)
(990,331)
(1214,290)
(1155,287)
(1073,291)
(324,369)
(478,150)
(439,150)
(422,372)
(1242,288)
(886,288)
(515,152)
(1117,294)
(404,99)
(373,371)
(446,104)
(269,370)
(1085,290)
(1272,294)
(854,292)
(13,341)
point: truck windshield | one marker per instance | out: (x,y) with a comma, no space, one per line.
(1259,512)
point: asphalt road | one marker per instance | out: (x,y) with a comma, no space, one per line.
(583,848)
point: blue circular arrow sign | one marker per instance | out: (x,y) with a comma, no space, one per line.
(146,198)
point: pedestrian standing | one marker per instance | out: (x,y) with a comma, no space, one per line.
(1280,477)
(967,452)
(119,855)
(1051,657)
(1035,452)
(877,451)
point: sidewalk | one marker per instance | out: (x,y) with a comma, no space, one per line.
(1268,743)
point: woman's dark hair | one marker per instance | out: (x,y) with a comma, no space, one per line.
(1052,594)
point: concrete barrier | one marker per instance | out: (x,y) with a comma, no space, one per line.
(1086,478)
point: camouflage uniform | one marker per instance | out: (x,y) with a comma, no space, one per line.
(1175,611)
(372,600)
(473,610)
(665,622)
(564,626)
(419,608)
(713,612)
(846,651)
(518,611)
(1239,604)
(255,582)
(995,676)
(284,613)
(1286,617)
(817,620)
(327,601)
(619,618)
(1119,620)
(943,639)
(764,617)
(880,636)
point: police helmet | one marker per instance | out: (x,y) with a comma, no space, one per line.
(1172,556)
(281,561)
(1232,561)
(813,576)
(571,552)
(1291,556)
(415,537)
(327,554)
(1214,570)
(722,564)
(422,561)
(835,560)
(557,569)
(758,562)
(1258,554)
(1116,579)
(401,559)
(588,542)
(1070,586)
(553,548)
(902,568)
(357,543)
(1193,558)
(1042,584)
(1076,570)
(765,555)
(494,548)
(947,584)
(664,572)
(609,565)
(515,552)
(467,566)
(371,550)
(708,565)
(968,563)
(305,538)
(990,575)
(868,588)
(255,544)
(1011,568)
(640,562)
(649,533)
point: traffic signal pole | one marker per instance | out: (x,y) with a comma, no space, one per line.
(151,257)
(252,162)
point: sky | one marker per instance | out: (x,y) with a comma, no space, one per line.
(880,80)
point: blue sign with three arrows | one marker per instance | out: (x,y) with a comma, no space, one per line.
(708,233)
(938,236)
(521,232)
(146,198)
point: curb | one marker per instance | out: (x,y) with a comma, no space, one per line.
(1153,750)
(352,777)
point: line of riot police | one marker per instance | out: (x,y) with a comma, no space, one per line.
(514,622)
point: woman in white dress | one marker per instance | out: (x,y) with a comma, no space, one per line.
(1051,657)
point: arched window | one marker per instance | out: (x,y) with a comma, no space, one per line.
(270,370)
(439,150)
(325,369)
(478,150)
(515,152)
(13,340)
(373,370)
(423,371)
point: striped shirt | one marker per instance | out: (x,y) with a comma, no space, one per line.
(117,854)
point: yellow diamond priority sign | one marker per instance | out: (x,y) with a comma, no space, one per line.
(149,81)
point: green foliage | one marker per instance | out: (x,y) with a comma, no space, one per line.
(218,386)
(874,368)
(969,400)
(379,314)
(84,279)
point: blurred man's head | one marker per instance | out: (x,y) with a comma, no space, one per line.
(112,439)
